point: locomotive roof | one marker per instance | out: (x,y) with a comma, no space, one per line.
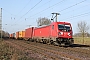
(62,22)
(53,23)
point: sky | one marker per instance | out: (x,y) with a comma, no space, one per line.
(17,15)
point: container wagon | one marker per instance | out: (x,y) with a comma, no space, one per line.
(12,36)
(17,35)
(28,33)
(21,35)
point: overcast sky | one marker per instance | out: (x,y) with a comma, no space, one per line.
(19,14)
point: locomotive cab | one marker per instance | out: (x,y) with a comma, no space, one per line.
(63,32)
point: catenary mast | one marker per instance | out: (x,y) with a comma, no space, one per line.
(1,22)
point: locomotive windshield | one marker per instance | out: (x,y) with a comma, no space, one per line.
(64,27)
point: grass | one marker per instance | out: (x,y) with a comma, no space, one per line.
(79,40)
(5,53)
(10,53)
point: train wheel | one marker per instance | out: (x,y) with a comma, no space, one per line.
(36,40)
(51,42)
(44,41)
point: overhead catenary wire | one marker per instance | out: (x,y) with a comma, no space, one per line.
(57,4)
(41,6)
(8,12)
(24,14)
(47,8)
(75,16)
(76,9)
(37,4)
(44,4)
(62,9)
(11,17)
(72,5)
(21,10)
(29,10)
(53,5)
(24,7)
(36,8)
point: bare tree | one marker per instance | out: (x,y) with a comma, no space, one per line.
(43,21)
(83,28)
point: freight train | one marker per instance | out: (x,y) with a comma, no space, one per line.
(56,33)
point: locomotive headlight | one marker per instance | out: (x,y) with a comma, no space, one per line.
(69,34)
(60,33)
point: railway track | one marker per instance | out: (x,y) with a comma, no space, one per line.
(49,51)
(83,49)
(79,51)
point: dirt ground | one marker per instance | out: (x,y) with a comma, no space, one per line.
(26,50)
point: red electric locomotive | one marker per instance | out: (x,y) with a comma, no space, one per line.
(55,33)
